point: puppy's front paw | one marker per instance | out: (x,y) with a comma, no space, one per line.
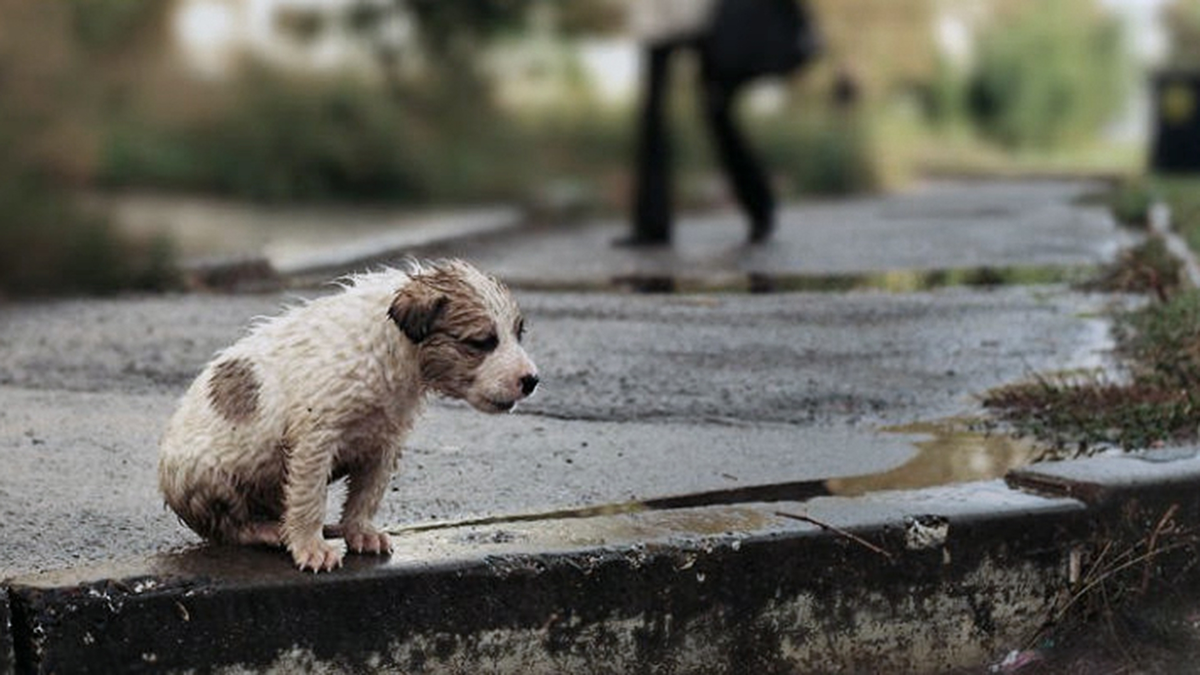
(317,555)
(367,540)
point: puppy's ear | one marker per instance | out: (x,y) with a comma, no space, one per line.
(416,309)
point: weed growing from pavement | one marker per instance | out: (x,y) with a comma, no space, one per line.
(1123,609)
(1157,403)
(1115,615)
(1146,268)
(1075,417)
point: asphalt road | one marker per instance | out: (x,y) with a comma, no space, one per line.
(643,396)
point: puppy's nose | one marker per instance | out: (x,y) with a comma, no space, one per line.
(529,383)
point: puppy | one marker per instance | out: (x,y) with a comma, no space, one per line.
(328,390)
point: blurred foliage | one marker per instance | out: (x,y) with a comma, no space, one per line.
(1047,75)
(444,22)
(817,152)
(885,43)
(437,133)
(1130,201)
(1182,194)
(590,17)
(98,103)
(47,243)
(111,25)
(283,140)
(1183,26)
(303,138)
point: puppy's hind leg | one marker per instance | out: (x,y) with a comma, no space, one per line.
(260,533)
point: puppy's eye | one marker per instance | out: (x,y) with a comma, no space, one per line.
(484,344)
(520,330)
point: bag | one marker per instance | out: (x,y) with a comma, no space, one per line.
(748,39)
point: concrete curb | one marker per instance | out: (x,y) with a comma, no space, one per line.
(1102,481)
(918,581)
(437,232)
(278,269)
(7,660)
(1160,224)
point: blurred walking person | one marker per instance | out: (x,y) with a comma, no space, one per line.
(737,41)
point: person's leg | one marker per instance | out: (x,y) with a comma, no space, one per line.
(750,183)
(652,171)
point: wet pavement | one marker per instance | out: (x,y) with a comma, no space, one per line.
(644,396)
(941,226)
(664,421)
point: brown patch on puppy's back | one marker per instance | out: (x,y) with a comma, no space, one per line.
(233,390)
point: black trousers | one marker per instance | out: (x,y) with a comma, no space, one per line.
(652,200)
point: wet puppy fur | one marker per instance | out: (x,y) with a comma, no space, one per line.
(329,390)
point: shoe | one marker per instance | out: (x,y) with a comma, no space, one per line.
(761,230)
(641,241)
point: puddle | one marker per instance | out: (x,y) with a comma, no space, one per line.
(561,514)
(777,492)
(952,453)
(894,281)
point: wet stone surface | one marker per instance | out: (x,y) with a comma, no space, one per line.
(642,397)
(6,642)
(857,389)
(943,225)
(711,590)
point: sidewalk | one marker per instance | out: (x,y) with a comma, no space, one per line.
(231,245)
(726,482)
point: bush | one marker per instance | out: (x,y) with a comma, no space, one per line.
(818,153)
(307,139)
(47,246)
(1130,202)
(1050,76)
(281,141)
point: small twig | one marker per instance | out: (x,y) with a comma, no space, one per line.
(838,531)
(1152,544)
